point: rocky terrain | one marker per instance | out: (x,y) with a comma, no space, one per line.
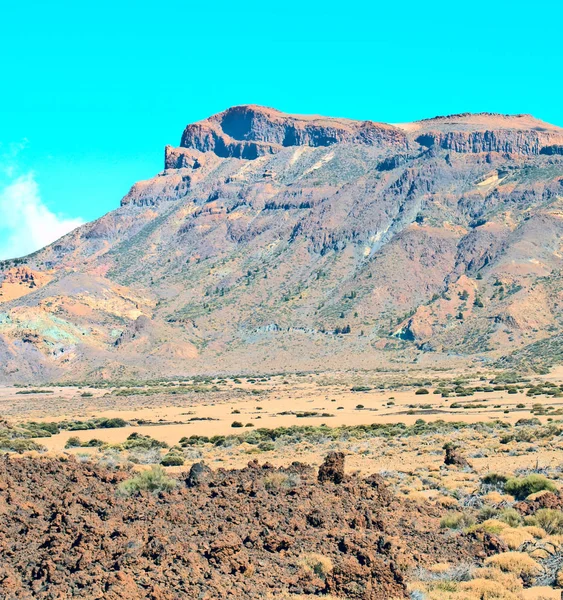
(275,242)
(258,532)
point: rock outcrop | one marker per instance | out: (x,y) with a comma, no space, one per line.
(489,132)
(332,468)
(252,131)
(453,457)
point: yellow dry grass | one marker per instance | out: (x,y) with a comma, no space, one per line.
(316,564)
(518,563)
(515,537)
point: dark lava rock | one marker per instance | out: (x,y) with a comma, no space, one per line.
(199,472)
(453,457)
(332,468)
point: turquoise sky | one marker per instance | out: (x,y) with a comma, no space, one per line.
(92,91)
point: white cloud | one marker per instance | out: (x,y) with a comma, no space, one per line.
(26,224)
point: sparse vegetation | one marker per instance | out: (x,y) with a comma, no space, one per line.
(154,480)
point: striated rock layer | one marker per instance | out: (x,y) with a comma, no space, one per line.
(275,242)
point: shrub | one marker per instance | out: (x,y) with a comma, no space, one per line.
(535,531)
(145,456)
(456,520)
(172,460)
(93,443)
(550,520)
(519,563)
(491,526)
(316,564)
(511,517)
(111,423)
(487,512)
(138,440)
(236,424)
(154,481)
(20,446)
(509,583)
(73,442)
(278,481)
(514,538)
(421,391)
(522,487)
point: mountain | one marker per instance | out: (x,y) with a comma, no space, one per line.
(275,242)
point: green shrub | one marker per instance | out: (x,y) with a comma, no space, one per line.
(19,445)
(138,440)
(172,460)
(153,480)
(511,517)
(456,520)
(111,423)
(421,391)
(496,479)
(236,424)
(93,443)
(73,442)
(549,519)
(522,487)
(487,512)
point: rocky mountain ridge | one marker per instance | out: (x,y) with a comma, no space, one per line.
(273,242)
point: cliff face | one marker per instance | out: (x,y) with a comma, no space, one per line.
(252,131)
(489,132)
(274,242)
(527,143)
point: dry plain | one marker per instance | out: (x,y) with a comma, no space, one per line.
(386,423)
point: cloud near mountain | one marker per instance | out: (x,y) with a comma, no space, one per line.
(27,223)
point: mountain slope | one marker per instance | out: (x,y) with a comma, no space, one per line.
(275,242)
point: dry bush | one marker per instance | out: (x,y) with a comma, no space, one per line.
(439,568)
(487,589)
(145,456)
(519,563)
(279,481)
(486,584)
(544,593)
(537,532)
(509,581)
(493,526)
(496,498)
(316,564)
(514,538)
(417,497)
(447,501)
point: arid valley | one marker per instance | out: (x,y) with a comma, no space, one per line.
(312,357)
(392,430)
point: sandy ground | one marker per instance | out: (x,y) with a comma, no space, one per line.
(261,404)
